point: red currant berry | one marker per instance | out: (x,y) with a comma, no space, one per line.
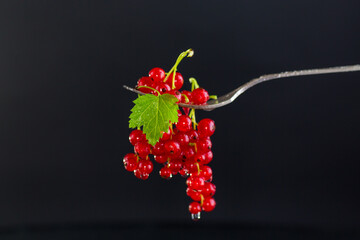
(175,167)
(172,148)
(208,157)
(193,135)
(195,195)
(158,74)
(194,207)
(166,135)
(162,87)
(208,204)
(160,158)
(165,173)
(142,149)
(206,127)
(175,93)
(204,145)
(178,81)
(195,182)
(182,138)
(158,149)
(188,152)
(186,99)
(199,158)
(145,166)
(145,81)
(199,96)
(137,136)
(184,172)
(130,162)
(206,172)
(142,176)
(209,189)
(184,123)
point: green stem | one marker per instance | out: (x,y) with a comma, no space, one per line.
(194,84)
(187,53)
(149,88)
(186,98)
(213,97)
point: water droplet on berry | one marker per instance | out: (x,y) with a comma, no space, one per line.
(195,217)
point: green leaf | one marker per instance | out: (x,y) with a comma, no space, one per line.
(154,114)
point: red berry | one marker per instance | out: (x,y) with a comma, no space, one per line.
(194,207)
(166,135)
(195,182)
(142,176)
(165,173)
(204,145)
(193,135)
(195,195)
(145,81)
(130,162)
(162,87)
(188,95)
(208,157)
(182,138)
(199,158)
(178,81)
(175,167)
(158,74)
(184,123)
(172,148)
(175,93)
(208,204)
(209,189)
(137,136)
(206,172)
(158,149)
(142,149)
(145,166)
(160,158)
(206,127)
(199,96)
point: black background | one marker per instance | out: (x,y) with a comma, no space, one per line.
(286,153)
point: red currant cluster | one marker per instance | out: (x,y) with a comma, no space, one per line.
(185,149)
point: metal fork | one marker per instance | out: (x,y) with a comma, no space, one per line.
(231,96)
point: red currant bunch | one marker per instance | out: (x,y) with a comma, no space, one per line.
(185,149)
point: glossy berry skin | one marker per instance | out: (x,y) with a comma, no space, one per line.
(188,95)
(206,172)
(142,176)
(160,158)
(137,136)
(208,157)
(174,166)
(193,194)
(145,166)
(199,96)
(208,204)
(182,138)
(178,82)
(158,149)
(209,189)
(165,173)
(184,123)
(206,127)
(142,149)
(193,136)
(157,74)
(162,87)
(195,182)
(172,148)
(166,135)
(130,162)
(175,93)
(204,145)
(194,207)
(145,81)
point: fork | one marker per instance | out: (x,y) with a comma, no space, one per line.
(231,96)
